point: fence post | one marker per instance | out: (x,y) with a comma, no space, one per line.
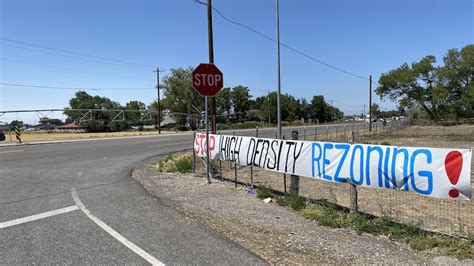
(327,133)
(315,134)
(235,170)
(251,167)
(295,180)
(220,166)
(194,153)
(353,189)
(304,133)
(284,175)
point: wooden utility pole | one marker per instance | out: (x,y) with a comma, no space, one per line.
(295,179)
(370,103)
(159,101)
(353,189)
(211,61)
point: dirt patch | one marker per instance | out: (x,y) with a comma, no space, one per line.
(277,234)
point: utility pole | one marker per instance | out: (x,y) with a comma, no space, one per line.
(268,108)
(278,70)
(211,61)
(159,102)
(364,111)
(370,103)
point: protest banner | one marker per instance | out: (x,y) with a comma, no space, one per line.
(434,172)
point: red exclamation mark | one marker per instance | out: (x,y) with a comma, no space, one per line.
(453,167)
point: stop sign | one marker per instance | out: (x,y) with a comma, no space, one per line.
(207,79)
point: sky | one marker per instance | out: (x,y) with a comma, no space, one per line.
(363,37)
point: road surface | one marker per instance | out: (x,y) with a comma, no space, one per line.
(76,203)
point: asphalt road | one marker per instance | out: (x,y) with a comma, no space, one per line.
(97,212)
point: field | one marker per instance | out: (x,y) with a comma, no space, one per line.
(46,136)
(445,216)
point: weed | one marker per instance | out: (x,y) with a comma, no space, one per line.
(294,201)
(183,165)
(264,192)
(324,216)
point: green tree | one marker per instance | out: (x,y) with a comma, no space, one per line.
(134,117)
(241,100)
(180,96)
(16,123)
(319,109)
(441,91)
(100,120)
(223,101)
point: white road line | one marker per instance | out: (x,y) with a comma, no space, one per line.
(11,151)
(37,216)
(114,233)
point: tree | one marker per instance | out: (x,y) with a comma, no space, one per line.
(100,120)
(441,91)
(319,109)
(180,96)
(16,123)
(241,100)
(134,117)
(223,101)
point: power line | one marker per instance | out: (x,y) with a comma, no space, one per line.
(70,56)
(70,69)
(76,53)
(284,45)
(70,88)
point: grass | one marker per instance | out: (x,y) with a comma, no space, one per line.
(418,239)
(263,192)
(182,163)
(296,202)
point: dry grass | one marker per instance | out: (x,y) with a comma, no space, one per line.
(46,136)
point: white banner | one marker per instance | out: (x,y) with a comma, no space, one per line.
(433,172)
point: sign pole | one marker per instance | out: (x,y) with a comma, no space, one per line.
(208,180)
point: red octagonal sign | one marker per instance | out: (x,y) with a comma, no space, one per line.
(207,79)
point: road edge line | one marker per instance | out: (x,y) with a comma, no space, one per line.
(140,252)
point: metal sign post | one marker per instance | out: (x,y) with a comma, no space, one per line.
(208,179)
(207,80)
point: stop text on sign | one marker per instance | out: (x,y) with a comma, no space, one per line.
(206,79)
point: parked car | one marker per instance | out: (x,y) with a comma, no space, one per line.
(2,136)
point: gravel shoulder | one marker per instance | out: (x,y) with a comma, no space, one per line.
(277,234)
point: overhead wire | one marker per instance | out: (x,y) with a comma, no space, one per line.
(76,53)
(70,69)
(70,88)
(283,44)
